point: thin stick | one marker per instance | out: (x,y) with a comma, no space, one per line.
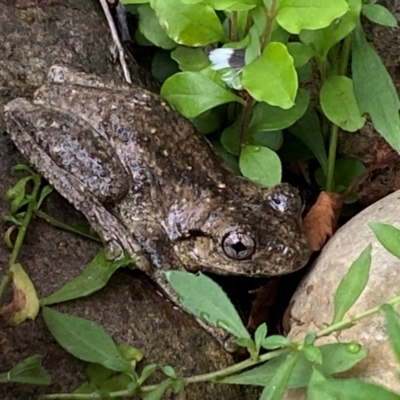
(117,42)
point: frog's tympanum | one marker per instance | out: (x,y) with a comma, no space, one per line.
(152,186)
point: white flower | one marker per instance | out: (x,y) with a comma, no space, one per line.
(220,58)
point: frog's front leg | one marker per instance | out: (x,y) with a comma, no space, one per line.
(59,146)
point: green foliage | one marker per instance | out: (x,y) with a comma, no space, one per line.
(265,84)
(28,371)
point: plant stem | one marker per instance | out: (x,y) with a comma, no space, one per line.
(233,34)
(357,317)
(270,14)
(217,375)
(333,139)
(245,121)
(21,233)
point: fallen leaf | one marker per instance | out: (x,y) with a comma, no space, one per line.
(321,221)
(25,303)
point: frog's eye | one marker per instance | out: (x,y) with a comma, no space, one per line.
(238,246)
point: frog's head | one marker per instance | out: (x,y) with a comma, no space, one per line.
(258,234)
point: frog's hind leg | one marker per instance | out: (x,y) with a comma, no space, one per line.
(111,231)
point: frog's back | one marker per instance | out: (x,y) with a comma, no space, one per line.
(146,135)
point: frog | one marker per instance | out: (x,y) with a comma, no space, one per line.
(150,185)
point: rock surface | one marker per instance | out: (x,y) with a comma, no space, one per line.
(312,304)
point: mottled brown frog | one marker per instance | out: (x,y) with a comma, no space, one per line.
(149,184)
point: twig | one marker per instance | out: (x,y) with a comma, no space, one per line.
(117,42)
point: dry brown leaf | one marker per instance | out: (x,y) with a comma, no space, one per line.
(25,303)
(320,222)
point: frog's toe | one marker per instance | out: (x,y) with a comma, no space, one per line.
(113,250)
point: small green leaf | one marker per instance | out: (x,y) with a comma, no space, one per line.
(147,371)
(29,371)
(312,353)
(352,285)
(16,194)
(339,103)
(261,165)
(336,358)
(270,118)
(275,342)
(295,15)
(308,130)
(202,297)
(163,66)
(354,389)
(85,340)
(190,59)
(379,14)
(193,93)
(275,387)
(192,25)
(388,236)
(169,371)
(157,393)
(94,277)
(374,89)
(259,335)
(310,338)
(276,71)
(312,392)
(300,52)
(392,329)
(151,28)
(322,40)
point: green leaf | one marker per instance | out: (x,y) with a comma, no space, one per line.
(352,285)
(275,342)
(295,15)
(374,89)
(261,165)
(308,130)
(339,103)
(354,389)
(189,59)
(276,71)
(392,329)
(379,14)
(151,28)
(157,393)
(169,371)
(16,194)
(85,340)
(322,40)
(312,392)
(94,277)
(29,371)
(202,297)
(232,5)
(259,335)
(163,66)
(270,118)
(210,120)
(300,52)
(336,357)
(192,25)
(388,236)
(277,385)
(193,93)
(147,371)
(312,353)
